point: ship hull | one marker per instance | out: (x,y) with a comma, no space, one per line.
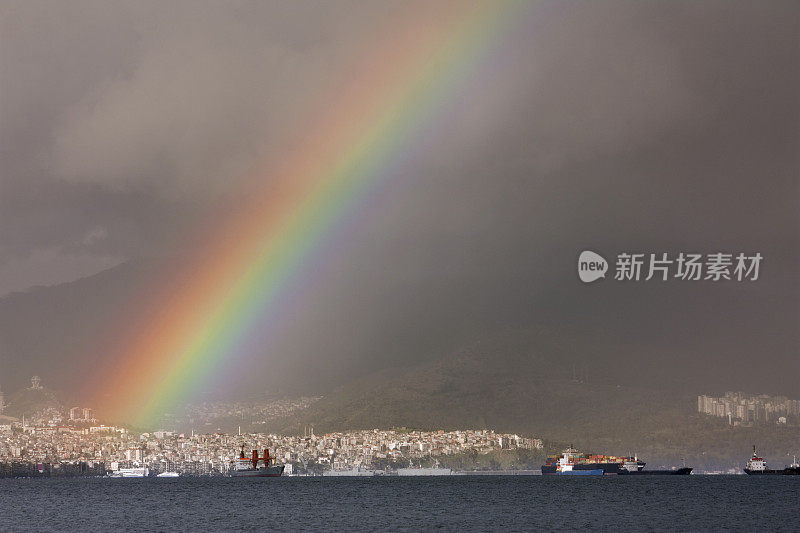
(272,471)
(677,472)
(784,472)
(611,469)
(595,472)
(608,469)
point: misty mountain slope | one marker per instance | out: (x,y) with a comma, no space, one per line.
(482,388)
(60,333)
(49,330)
(479,387)
(64,333)
(517,378)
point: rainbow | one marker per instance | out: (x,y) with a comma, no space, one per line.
(207,303)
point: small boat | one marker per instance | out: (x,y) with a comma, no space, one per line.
(130,472)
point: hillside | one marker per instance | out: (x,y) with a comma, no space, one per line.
(29,401)
(504,392)
(69,335)
(50,331)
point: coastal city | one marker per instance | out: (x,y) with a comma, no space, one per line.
(211,454)
(40,436)
(71,441)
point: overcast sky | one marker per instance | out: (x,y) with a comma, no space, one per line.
(612,126)
(121,119)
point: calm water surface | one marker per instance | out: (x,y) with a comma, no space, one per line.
(458,503)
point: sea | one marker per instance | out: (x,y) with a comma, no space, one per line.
(447,503)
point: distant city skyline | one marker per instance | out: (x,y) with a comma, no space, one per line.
(743,408)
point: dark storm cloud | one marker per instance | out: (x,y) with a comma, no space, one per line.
(614,126)
(123,120)
(636,128)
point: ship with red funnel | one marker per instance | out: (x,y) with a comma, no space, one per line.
(255,466)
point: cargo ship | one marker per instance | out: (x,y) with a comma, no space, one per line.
(757,466)
(255,466)
(571,462)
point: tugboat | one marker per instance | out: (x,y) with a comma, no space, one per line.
(632,466)
(255,466)
(757,466)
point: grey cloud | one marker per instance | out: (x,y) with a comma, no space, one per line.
(622,125)
(210,93)
(133,116)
